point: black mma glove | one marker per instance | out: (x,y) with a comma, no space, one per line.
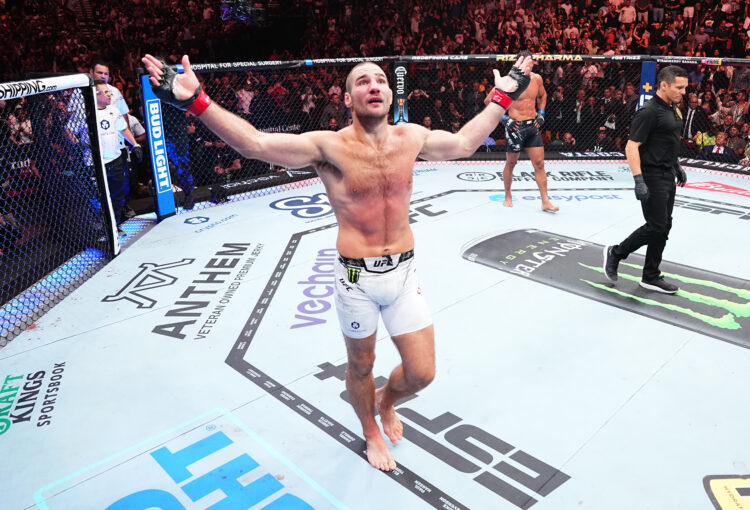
(641,190)
(505,98)
(196,104)
(136,154)
(680,174)
(512,131)
(523,81)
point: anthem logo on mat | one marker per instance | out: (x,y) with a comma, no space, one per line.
(151,276)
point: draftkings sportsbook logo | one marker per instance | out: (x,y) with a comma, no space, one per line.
(151,276)
(30,398)
(710,303)
(728,492)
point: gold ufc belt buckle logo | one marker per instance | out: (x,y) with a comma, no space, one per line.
(728,492)
(353,274)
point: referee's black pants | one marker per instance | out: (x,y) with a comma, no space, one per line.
(118,186)
(657,211)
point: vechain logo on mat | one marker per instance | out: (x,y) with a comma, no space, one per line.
(317,291)
(728,492)
(710,303)
(315,206)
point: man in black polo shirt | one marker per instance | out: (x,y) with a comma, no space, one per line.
(652,155)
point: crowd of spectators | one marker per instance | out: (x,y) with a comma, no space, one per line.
(589,105)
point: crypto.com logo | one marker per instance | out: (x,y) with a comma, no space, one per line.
(315,206)
(151,276)
(196,220)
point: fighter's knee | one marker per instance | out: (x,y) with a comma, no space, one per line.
(361,366)
(419,379)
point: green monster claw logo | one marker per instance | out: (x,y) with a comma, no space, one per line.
(353,274)
(727,321)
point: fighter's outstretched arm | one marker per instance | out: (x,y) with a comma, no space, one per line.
(185,92)
(441,145)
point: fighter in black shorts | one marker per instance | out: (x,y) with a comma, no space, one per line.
(522,123)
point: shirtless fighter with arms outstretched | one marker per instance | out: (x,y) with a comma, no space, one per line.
(522,124)
(366,169)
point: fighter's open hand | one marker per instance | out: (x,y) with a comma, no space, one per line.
(180,90)
(518,78)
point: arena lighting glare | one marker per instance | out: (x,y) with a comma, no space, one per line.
(243,10)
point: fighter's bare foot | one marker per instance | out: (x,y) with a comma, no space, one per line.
(392,426)
(548,207)
(378,454)
(508,202)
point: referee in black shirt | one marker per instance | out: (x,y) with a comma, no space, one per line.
(652,152)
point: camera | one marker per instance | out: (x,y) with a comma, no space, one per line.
(243,10)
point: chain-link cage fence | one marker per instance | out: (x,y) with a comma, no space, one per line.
(52,228)
(590,102)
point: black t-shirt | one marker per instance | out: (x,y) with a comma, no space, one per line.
(657,126)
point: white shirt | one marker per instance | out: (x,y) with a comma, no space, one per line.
(109,123)
(135,126)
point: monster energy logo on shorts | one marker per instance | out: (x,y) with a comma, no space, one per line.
(709,303)
(353,274)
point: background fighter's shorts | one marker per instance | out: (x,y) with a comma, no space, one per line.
(387,286)
(527,135)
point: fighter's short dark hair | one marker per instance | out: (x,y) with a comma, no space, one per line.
(99,82)
(669,73)
(525,53)
(98,62)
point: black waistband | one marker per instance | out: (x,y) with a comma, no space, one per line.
(117,162)
(526,122)
(361,262)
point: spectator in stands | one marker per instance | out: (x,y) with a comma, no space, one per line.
(569,142)
(695,119)
(20,126)
(740,108)
(602,143)
(418,101)
(642,8)
(735,141)
(746,160)
(336,110)
(657,12)
(707,137)
(427,122)
(719,147)
(627,13)
(438,115)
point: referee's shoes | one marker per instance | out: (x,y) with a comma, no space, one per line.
(659,285)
